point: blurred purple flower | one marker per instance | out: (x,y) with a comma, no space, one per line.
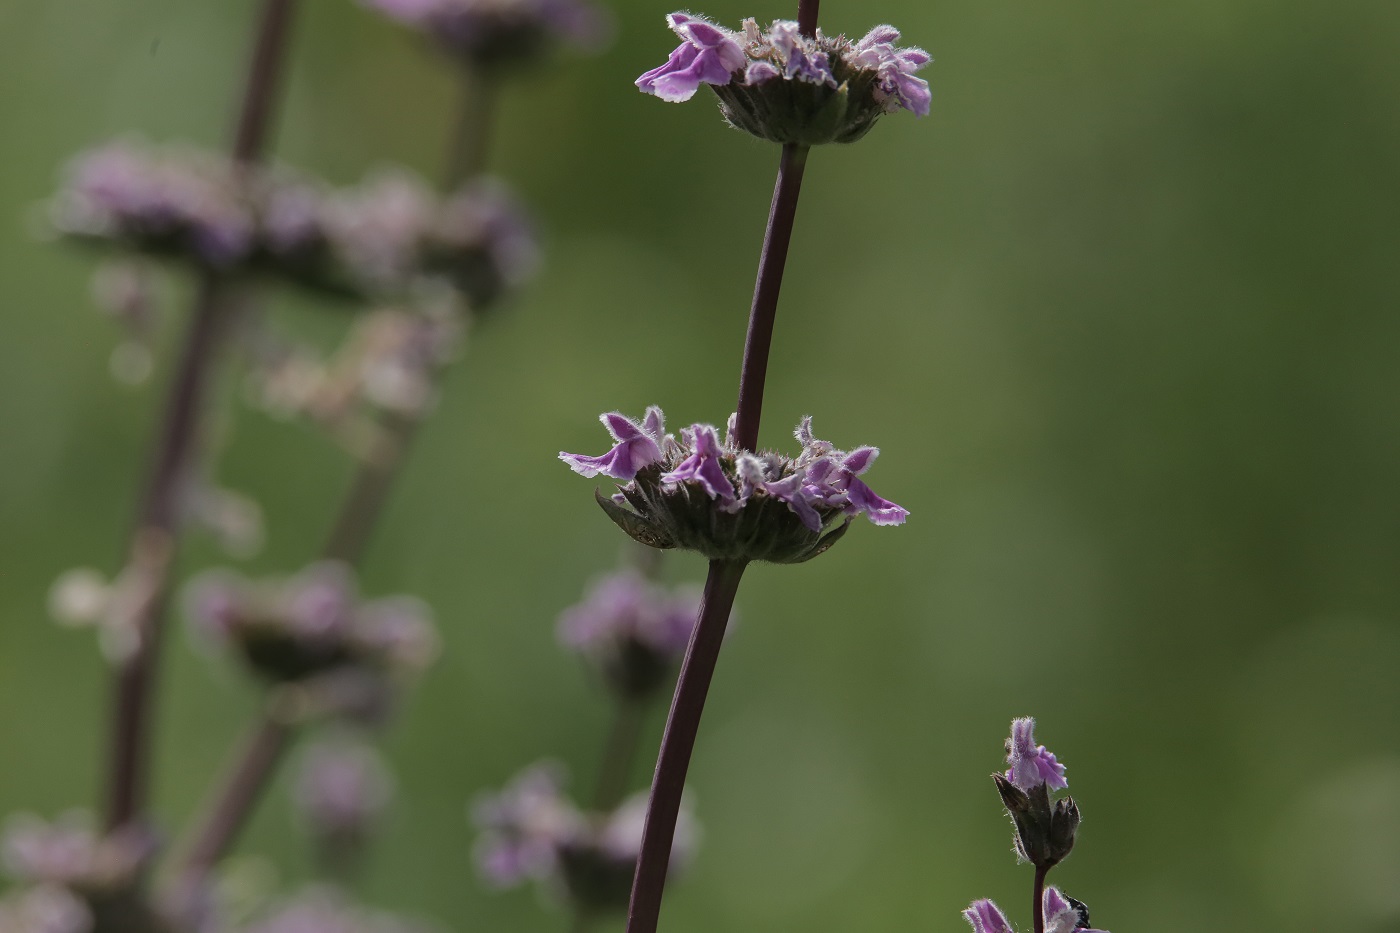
(44,909)
(635,631)
(1031,765)
(342,790)
(310,624)
(523,826)
(490,33)
(68,851)
(326,910)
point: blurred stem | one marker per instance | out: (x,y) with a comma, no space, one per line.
(234,801)
(781,214)
(1038,894)
(176,451)
(677,743)
(618,754)
(360,510)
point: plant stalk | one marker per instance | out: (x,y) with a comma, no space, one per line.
(1038,893)
(781,214)
(176,451)
(677,743)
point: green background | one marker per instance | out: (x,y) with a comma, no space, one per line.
(1121,315)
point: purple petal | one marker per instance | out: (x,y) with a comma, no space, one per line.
(879,511)
(703,466)
(859,460)
(986,917)
(886,35)
(760,71)
(1031,765)
(790,489)
(635,449)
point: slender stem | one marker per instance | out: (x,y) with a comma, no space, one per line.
(677,743)
(233,802)
(776,238)
(807,17)
(176,450)
(264,72)
(618,755)
(1038,892)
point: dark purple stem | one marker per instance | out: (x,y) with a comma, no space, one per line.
(677,743)
(1038,892)
(232,804)
(776,238)
(807,17)
(176,450)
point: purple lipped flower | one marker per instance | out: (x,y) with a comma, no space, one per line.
(638,446)
(1031,765)
(786,87)
(986,917)
(495,33)
(708,54)
(703,466)
(1064,914)
(634,630)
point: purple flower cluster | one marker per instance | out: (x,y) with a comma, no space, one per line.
(311,624)
(700,493)
(635,630)
(530,831)
(382,237)
(69,852)
(489,33)
(781,85)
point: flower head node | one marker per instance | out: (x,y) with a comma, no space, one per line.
(789,88)
(700,494)
(531,831)
(296,630)
(1045,828)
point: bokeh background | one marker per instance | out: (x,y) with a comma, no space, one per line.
(1121,314)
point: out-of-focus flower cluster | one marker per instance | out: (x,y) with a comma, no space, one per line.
(705,495)
(530,831)
(633,629)
(388,236)
(71,879)
(789,88)
(494,33)
(311,624)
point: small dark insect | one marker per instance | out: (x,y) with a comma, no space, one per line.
(1083,910)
